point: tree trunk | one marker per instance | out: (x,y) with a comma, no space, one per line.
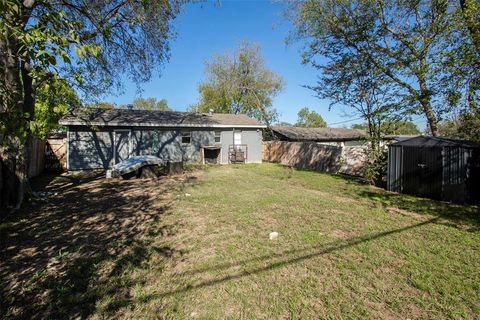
(425,101)
(25,149)
(21,172)
(14,146)
(432,120)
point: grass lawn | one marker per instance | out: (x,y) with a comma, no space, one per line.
(197,246)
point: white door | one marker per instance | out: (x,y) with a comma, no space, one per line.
(237,137)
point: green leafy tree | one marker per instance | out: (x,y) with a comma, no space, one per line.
(464,126)
(309,119)
(151,104)
(52,101)
(406,42)
(469,126)
(87,43)
(284,124)
(100,105)
(461,78)
(400,128)
(240,83)
(391,127)
(388,60)
(471,18)
(350,80)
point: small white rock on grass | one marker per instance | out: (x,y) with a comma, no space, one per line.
(273,235)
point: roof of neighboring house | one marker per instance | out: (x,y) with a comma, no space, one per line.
(427,141)
(319,134)
(399,137)
(148,118)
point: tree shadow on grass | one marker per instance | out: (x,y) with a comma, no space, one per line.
(270,262)
(74,251)
(465,215)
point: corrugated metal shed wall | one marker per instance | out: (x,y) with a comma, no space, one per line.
(454,173)
(450,173)
(454,164)
(394,171)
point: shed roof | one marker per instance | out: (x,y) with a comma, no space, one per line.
(150,118)
(319,134)
(428,141)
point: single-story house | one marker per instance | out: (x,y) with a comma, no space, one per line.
(340,137)
(100,138)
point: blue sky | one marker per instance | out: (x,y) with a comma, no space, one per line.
(204,29)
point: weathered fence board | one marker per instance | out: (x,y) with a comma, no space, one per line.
(36,161)
(56,154)
(316,156)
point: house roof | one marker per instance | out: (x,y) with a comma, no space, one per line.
(319,134)
(148,118)
(399,137)
(427,141)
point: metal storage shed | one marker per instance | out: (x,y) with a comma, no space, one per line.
(437,168)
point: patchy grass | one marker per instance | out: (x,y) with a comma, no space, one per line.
(197,247)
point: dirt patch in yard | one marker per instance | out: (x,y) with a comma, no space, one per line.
(340,234)
(406,213)
(51,250)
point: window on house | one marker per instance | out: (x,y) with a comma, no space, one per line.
(217,136)
(186,137)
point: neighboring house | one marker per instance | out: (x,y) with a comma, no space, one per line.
(340,137)
(99,138)
(325,149)
(438,168)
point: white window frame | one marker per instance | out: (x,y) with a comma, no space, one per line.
(217,134)
(185,134)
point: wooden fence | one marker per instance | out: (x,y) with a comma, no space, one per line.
(47,155)
(36,161)
(316,156)
(56,154)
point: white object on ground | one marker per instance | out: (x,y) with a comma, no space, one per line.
(132,164)
(187,194)
(273,235)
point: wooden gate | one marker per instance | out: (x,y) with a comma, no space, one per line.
(56,154)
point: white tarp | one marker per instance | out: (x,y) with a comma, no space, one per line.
(132,164)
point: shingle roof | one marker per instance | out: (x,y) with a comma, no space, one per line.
(147,118)
(319,134)
(427,141)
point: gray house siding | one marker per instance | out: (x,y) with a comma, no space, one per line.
(226,139)
(100,149)
(89,149)
(167,144)
(251,137)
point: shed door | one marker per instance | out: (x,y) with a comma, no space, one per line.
(122,145)
(422,169)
